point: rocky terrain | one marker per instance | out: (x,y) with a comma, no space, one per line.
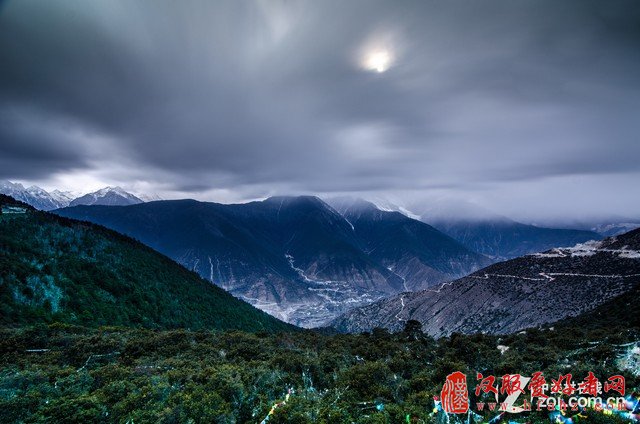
(509,296)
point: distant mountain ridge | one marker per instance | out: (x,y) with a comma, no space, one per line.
(55,269)
(35,196)
(492,234)
(294,257)
(46,201)
(606,226)
(524,292)
(507,239)
(476,228)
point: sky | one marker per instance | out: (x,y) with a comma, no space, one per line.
(529,108)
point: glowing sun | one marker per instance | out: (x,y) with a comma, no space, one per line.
(377,60)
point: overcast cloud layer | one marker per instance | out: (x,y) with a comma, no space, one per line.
(531,108)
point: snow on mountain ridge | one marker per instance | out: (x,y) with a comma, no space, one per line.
(41,199)
(64,197)
(111,196)
(32,195)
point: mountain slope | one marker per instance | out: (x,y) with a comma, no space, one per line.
(508,296)
(622,310)
(420,254)
(294,257)
(318,240)
(58,269)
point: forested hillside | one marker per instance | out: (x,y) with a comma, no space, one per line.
(55,269)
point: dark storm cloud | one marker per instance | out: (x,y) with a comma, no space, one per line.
(34,145)
(268,96)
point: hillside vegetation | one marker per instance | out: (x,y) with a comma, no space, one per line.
(73,375)
(55,269)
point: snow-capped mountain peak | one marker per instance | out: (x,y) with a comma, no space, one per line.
(41,199)
(9,186)
(33,195)
(38,191)
(110,196)
(64,196)
(150,197)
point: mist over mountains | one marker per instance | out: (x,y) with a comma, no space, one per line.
(305,260)
(494,235)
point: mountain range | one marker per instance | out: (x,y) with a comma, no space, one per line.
(46,201)
(308,262)
(295,257)
(524,292)
(55,269)
(494,235)
(478,229)
(607,226)
(503,238)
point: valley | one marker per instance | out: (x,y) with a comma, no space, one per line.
(295,257)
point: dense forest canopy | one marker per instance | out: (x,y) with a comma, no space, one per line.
(72,374)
